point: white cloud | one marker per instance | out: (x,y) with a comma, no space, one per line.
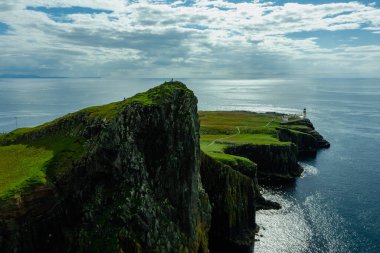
(154,37)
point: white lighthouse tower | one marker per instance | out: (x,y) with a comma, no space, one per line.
(304,113)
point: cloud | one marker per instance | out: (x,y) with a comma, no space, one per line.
(191,39)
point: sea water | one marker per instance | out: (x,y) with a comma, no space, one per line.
(333,207)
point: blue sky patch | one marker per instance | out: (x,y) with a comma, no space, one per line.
(339,14)
(4,28)
(60,14)
(332,39)
(197,27)
(281,2)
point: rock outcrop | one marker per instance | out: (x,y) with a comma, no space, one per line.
(279,162)
(303,134)
(232,196)
(273,161)
(130,177)
(136,189)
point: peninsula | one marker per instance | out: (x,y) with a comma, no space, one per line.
(146,174)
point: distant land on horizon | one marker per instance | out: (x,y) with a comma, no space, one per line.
(35,76)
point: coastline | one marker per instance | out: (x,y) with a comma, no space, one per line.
(241,169)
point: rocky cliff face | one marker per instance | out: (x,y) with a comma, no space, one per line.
(303,134)
(130,177)
(232,195)
(273,161)
(137,188)
(280,162)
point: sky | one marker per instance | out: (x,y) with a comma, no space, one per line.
(190,39)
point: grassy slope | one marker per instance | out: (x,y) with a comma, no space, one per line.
(220,129)
(28,163)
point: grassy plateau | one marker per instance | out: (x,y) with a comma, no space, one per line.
(220,129)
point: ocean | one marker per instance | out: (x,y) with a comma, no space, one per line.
(334,207)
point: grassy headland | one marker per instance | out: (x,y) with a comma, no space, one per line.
(222,129)
(28,158)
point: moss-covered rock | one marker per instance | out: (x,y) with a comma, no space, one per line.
(264,139)
(136,188)
(306,143)
(232,196)
(130,177)
(303,134)
(273,161)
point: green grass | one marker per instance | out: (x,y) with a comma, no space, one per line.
(214,145)
(206,146)
(230,160)
(216,151)
(221,129)
(155,95)
(259,139)
(29,163)
(12,136)
(248,122)
(105,112)
(21,165)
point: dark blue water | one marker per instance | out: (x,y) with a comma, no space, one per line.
(335,207)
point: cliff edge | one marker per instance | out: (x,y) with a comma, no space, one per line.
(146,174)
(123,177)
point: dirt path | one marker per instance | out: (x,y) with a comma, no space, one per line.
(270,122)
(213,142)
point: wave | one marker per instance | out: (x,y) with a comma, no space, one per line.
(308,170)
(308,225)
(285,230)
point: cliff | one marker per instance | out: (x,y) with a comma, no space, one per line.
(143,175)
(274,146)
(303,134)
(274,161)
(232,196)
(134,186)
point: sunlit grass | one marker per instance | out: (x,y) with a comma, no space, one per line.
(226,122)
(222,129)
(219,139)
(28,163)
(21,165)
